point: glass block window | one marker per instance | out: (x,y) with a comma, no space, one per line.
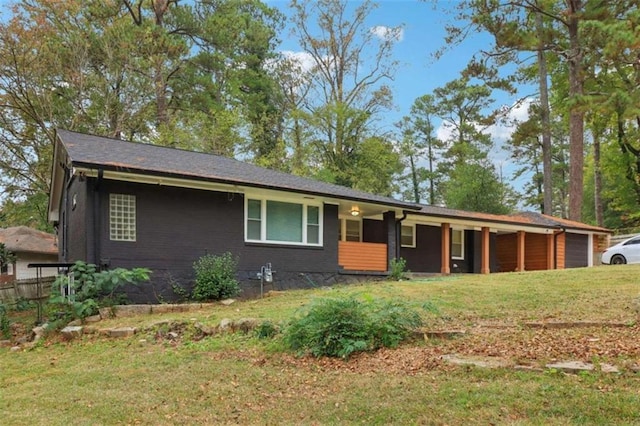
(283,222)
(408,236)
(122,217)
(457,243)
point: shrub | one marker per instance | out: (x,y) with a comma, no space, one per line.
(5,324)
(216,277)
(93,289)
(397,267)
(340,327)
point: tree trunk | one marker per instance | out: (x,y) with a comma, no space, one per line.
(598,180)
(547,207)
(576,116)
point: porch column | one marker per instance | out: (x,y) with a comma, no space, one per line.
(550,252)
(520,252)
(446,248)
(389,219)
(484,268)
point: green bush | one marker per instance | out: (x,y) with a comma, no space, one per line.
(216,277)
(5,324)
(340,327)
(93,289)
(398,268)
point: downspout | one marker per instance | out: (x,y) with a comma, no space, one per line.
(555,247)
(97,215)
(399,233)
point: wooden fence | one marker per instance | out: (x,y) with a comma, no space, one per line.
(27,289)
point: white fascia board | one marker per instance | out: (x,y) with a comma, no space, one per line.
(477,224)
(57,186)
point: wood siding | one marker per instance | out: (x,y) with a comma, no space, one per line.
(560,250)
(535,252)
(354,256)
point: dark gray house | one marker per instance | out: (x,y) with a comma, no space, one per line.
(122,204)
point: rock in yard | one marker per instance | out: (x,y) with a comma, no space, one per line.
(122,332)
(228,302)
(571,366)
(71,332)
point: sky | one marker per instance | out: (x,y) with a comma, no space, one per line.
(419,73)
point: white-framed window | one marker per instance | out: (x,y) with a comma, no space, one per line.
(457,244)
(408,235)
(285,222)
(350,230)
(122,217)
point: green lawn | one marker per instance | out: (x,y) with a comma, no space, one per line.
(239,379)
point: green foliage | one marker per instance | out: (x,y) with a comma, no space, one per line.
(93,289)
(476,187)
(6,257)
(266,330)
(5,329)
(340,327)
(216,277)
(398,268)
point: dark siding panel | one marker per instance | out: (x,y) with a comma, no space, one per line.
(76,230)
(373,231)
(577,247)
(425,257)
(177,226)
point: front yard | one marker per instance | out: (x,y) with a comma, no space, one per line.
(516,324)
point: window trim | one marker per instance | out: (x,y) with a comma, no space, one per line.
(461,257)
(305,221)
(112,196)
(413,235)
(343,228)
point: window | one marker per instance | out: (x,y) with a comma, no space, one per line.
(408,236)
(283,222)
(122,217)
(350,230)
(457,244)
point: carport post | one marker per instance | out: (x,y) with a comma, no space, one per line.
(445,269)
(484,269)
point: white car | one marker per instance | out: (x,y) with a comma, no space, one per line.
(628,251)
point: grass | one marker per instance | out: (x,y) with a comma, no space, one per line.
(238,379)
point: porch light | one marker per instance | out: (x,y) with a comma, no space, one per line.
(355,211)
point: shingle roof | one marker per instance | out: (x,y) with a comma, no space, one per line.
(22,239)
(114,154)
(521,218)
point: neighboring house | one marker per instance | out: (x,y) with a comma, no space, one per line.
(29,246)
(122,204)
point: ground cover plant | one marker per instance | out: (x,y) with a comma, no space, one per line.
(243,379)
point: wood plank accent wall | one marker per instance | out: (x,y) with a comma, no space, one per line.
(362,256)
(506,247)
(536,252)
(560,250)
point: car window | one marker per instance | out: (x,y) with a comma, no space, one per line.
(634,241)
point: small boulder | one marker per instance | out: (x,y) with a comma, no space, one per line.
(71,332)
(122,332)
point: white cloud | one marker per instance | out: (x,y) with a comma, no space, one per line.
(388,33)
(303,59)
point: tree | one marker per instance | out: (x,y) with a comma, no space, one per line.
(161,72)
(476,187)
(511,25)
(462,105)
(6,257)
(419,143)
(347,88)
